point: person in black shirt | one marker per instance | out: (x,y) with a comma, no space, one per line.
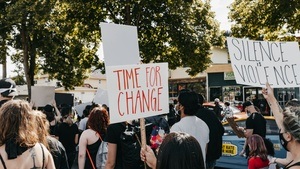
(216,131)
(218,109)
(255,124)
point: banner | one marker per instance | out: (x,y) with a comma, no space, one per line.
(42,95)
(137,91)
(257,62)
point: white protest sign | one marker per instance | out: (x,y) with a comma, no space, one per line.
(137,91)
(79,108)
(257,62)
(42,95)
(120,44)
(101,97)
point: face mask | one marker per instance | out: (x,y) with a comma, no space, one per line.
(283,141)
(248,113)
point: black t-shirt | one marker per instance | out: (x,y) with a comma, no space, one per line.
(258,123)
(66,134)
(114,132)
(216,131)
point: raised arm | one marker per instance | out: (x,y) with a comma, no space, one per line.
(274,105)
(57,114)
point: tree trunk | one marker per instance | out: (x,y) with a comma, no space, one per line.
(4,68)
(24,39)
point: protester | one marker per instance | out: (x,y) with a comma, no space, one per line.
(83,122)
(216,131)
(218,109)
(7,90)
(258,155)
(119,156)
(53,116)
(91,138)
(19,141)
(189,123)
(55,147)
(289,124)
(228,113)
(255,124)
(177,151)
(67,133)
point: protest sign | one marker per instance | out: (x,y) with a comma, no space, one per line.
(101,97)
(42,95)
(120,44)
(79,108)
(137,91)
(257,62)
(64,99)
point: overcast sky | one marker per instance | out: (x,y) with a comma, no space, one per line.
(221,10)
(218,6)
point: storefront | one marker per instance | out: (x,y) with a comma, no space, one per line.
(195,84)
(224,87)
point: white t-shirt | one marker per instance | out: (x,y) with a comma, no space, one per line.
(82,123)
(195,127)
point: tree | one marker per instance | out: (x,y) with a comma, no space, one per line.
(61,37)
(265,20)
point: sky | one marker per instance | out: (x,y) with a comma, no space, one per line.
(218,6)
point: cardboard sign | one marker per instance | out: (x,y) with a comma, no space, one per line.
(101,97)
(257,62)
(42,95)
(79,108)
(137,91)
(120,44)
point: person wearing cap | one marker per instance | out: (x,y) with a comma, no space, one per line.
(218,109)
(53,116)
(216,131)
(255,124)
(188,105)
(7,90)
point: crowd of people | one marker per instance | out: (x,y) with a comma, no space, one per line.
(49,138)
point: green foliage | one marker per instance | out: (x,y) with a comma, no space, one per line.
(265,19)
(61,38)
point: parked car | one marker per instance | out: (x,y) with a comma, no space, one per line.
(236,112)
(233,145)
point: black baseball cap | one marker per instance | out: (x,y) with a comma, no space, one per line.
(48,108)
(8,88)
(247,103)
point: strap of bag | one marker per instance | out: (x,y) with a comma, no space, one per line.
(91,160)
(88,153)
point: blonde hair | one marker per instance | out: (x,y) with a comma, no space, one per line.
(18,123)
(291,121)
(42,127)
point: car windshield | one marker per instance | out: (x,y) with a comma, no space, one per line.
(271,127)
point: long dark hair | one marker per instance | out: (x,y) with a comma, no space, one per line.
(180,151)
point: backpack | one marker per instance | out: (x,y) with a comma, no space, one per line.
(131,147)
(101,156)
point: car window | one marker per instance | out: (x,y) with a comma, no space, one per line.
(271,127)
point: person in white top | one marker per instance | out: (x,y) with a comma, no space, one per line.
(189,123)
(228,113)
